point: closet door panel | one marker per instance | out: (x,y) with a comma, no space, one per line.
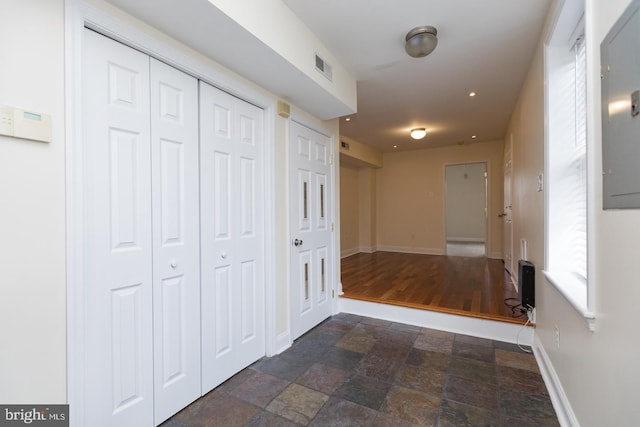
(118,345)
(232,235)
(176,247)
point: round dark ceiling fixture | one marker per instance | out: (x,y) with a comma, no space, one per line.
(421,41)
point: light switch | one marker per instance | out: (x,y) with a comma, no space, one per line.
(25,124)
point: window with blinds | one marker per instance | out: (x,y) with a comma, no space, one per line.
(566,167)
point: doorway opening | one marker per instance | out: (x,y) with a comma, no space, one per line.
(466,209)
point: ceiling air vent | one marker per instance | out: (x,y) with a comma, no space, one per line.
(324,68)
(344,145)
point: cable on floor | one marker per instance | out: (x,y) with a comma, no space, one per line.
(517,310)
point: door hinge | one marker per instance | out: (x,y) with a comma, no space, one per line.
(333,293)
(332,227)
(331,159)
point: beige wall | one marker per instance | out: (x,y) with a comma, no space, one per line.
(597,370)
(357,209)
(32,208)
(349,210)
(361,154)
(367,238)
(526,130)
(410,197)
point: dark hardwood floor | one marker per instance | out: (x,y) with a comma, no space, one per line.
(470,286)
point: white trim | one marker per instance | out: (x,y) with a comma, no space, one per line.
(411,250)
(283,342)
(348,252)
(466,240)
(402,249)
(482,328)
(74,223)
(574,291)
(271,341)
(79,14)
(561,404)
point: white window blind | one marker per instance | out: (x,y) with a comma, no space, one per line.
(578,245)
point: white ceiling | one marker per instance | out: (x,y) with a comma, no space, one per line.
(484,46)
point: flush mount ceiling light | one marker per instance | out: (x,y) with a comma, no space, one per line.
(418,133)
(421,41)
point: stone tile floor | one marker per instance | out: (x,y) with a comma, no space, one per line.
(359,371)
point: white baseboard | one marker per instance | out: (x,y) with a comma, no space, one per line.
(482,328)
(348,252)
(283,341)
(561,404)
(404,249)
(412,250)
(466,239)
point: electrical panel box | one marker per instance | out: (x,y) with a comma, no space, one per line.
(620,68)
(25,124)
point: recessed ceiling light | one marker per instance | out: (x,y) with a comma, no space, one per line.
(395,146)
(348,119)
(473,136)
(472,94)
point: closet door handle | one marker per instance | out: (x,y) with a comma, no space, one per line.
(173,263)
(223,255)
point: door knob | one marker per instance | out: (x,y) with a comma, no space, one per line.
(297,242)
(502,215)
(223,255)
(173,263)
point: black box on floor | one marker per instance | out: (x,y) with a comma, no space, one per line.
(526,283)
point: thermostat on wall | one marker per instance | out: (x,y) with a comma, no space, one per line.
(25,124)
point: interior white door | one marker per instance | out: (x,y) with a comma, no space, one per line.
(311,253)
(118,359)
(176,239)
(506,213)
(232,235)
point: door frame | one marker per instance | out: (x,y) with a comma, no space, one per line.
(487,197)
(335,284)
(508,159)
(78,15)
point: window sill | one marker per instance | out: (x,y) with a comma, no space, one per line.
(574,290)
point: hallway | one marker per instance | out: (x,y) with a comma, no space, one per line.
(359,371)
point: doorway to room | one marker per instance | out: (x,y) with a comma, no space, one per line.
(466,209)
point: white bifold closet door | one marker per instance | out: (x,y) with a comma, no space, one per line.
(176,239)
(141,259)
(232,234)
